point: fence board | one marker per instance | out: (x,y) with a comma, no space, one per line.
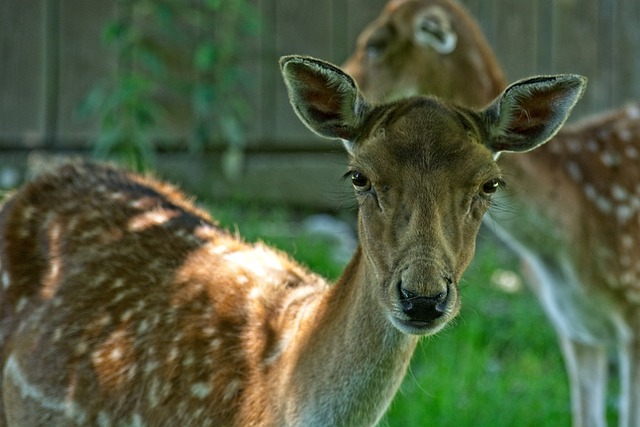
(576,47)
(360,13)
(544,37)
(83,62)
(52,54)
(515,32)
(22,103)
(626,53)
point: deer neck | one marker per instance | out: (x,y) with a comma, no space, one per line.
(542,203)
(343,334)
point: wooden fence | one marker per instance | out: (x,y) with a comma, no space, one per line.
(51,55)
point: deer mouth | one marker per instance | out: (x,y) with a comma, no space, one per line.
(424,314)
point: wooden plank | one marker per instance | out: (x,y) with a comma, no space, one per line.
(544,37)
(607,68)
(311,180)
(22,104)
(84,62)
(576,48)
(485,13)
(360,13)
(515,37)
(254,64)
(301,27)
(626,53)
(270,80)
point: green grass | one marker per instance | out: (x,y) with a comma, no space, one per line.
(497,365)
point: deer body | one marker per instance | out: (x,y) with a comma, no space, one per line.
(122,304)
(573,204)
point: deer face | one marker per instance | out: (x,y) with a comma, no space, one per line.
(423,172)
(424,46)
(423,181)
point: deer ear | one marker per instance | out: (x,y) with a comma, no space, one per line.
(325,98)
(433,28)
(531,111)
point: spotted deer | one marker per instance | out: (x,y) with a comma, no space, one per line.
(575,203)
(123,304)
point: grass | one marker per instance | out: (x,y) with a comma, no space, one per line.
(497,365)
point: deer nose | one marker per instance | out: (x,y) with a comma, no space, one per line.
(423,308)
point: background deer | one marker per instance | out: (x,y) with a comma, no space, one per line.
(122,303)
(575,202)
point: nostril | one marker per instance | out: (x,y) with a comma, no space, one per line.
(405,293)
(421,308)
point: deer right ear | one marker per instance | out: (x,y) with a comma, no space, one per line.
(325,98)
(531,111)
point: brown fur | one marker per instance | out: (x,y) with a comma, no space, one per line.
(123,304)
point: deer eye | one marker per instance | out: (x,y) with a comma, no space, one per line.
(378,42)
(491,186)
(360,181)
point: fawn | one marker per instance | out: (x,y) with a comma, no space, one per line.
(122,303)
(577,199)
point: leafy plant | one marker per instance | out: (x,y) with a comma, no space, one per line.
(179,54)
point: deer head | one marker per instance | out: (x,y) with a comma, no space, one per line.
(424,174)
(425,47)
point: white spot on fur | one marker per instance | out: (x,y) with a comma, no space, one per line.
(232,389)
(624,213)
(625,261)
(103,419)
(631,152)
(610,159)
(255,293)
(574,146)
(200,390)
(590,192)
(574,171)
(633,112)
(634,296)
(150,219)
(592,145)
(137,421)
(627,241)
(6,281)
(257,261)
(22,303)
(619,193)
(127,315)
(154,389)
(604,205)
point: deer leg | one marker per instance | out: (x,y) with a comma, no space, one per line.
(629,359)
(587,368)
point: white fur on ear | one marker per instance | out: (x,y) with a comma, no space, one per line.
(432,28)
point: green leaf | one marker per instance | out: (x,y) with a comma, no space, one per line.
(205,56)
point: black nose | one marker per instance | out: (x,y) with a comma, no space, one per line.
(421,308)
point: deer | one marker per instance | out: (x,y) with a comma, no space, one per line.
(575,202)
(122,302)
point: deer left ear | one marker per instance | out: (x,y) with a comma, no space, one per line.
(325,98)
(531,111)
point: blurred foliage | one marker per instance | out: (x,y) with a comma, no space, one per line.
(177,53)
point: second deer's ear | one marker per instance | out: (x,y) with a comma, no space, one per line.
(325,98)
(531,111)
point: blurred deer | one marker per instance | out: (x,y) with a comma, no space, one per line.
(576,201)
(123,304)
